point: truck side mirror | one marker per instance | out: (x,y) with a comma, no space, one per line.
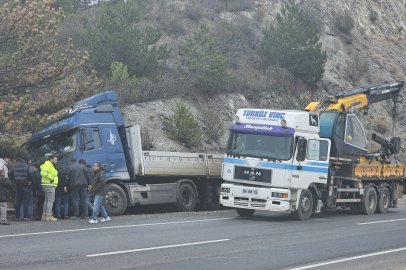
(301,150)
(90,146)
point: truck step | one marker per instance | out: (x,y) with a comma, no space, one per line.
(348,200)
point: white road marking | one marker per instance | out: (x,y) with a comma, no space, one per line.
(114,227)
(349,259)
(382,221)
(154,248)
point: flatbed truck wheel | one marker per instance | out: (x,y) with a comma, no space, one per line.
(384,202)
(245,212)
(304,209)
(186,198)
(368,206)
(115,200)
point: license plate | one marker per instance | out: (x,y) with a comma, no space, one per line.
(250,191)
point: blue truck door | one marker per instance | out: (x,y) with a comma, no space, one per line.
(98,154)
(115,154)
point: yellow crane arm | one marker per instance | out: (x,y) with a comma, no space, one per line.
(358,99)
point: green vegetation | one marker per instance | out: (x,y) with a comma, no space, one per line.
(204,61)
(183,126)
(115,38)
(294,44)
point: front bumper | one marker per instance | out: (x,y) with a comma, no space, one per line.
(255,198)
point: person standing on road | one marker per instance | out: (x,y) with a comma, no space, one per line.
(39,194)
(61,196)
(98,182)
(23,176)
(49,182)
(77,178)
(4,185)
(91,174)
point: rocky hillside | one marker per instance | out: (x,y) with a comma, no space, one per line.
(364,41)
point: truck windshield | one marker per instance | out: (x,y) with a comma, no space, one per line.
(259,145)
(61,143)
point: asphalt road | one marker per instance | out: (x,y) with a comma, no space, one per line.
(210,240)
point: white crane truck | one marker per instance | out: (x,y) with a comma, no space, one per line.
(309,161)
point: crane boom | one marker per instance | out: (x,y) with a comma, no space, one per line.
(359,98)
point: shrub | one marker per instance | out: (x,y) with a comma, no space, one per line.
(382,127)
(147,139)
(126,88)
(373,16)
(183,126)
(172,24)
(357,68)
(204,62)
(10,147)
(213,122)
(115,38)
(344,22)
(259,16)
(238,5)
(193,11)
(294,45)
(215,5)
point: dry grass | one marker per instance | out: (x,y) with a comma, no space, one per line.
(395,72)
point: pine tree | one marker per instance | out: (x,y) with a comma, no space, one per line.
(30,64)
(115,38)
(205,62)
(294,44)
(183,126)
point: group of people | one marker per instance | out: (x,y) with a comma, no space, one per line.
(52,186)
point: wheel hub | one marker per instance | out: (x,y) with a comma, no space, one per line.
(305,204)
(113,199)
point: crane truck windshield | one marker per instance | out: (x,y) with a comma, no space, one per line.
(61,143)
(260,146)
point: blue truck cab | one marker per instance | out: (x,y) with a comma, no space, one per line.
(93,130)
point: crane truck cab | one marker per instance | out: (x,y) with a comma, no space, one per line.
(271,157)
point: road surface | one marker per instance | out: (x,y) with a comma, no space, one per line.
(210,240)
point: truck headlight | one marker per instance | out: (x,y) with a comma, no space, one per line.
(225,190)
(280,195)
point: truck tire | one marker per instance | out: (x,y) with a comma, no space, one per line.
(186,201)
(304,210)
(368,206)
(384,202)
(245,212)
(115,200)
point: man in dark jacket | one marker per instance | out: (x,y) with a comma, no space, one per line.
(98,182)
(61,196)
(4,185)
(78,180)
(23,176)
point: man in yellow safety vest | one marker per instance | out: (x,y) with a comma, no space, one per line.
(49,182)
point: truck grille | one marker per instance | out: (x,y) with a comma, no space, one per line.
(253,174)
(255,203)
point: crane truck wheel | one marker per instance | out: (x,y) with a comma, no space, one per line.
(368,206)
(304,209)
(115,200)
(186,201)
(245,212)
(384,202)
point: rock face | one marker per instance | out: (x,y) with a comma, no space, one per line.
(371,51)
